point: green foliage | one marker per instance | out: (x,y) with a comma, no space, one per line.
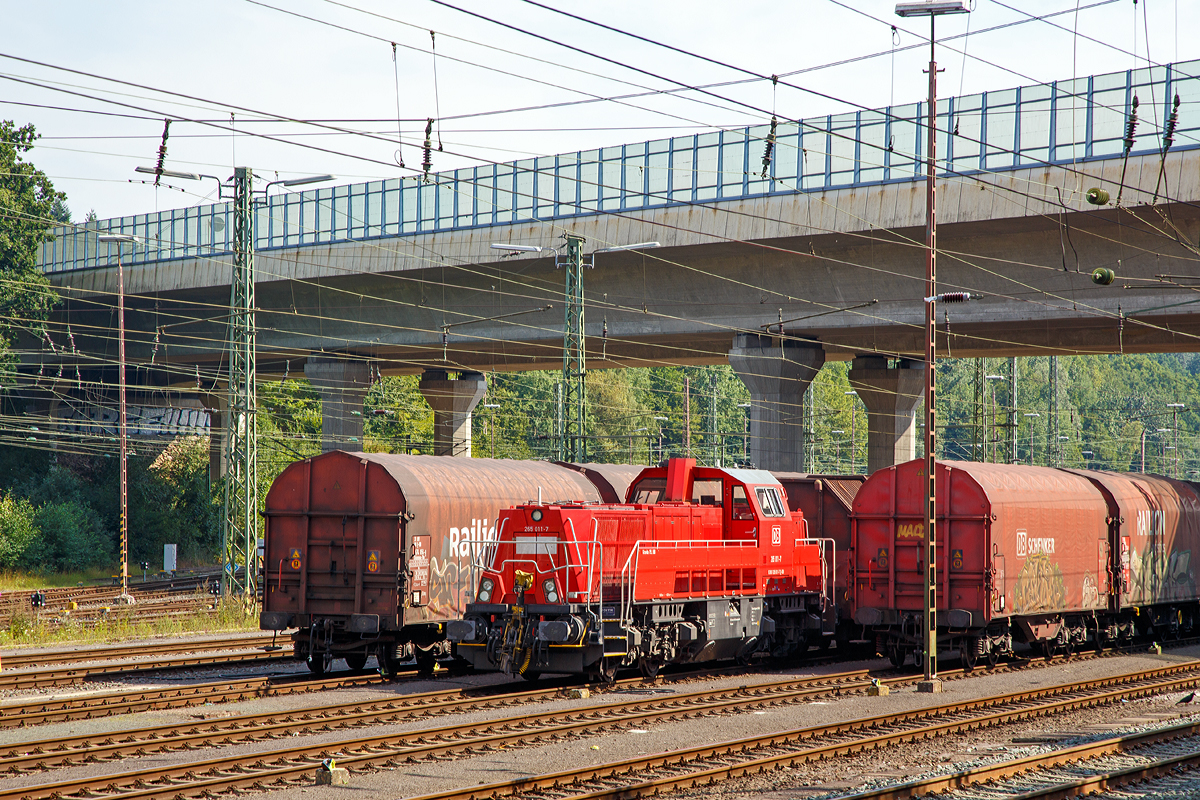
(29,202)
(17,529)
(71,539)
(176,505)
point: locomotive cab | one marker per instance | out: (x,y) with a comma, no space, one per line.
(698,564)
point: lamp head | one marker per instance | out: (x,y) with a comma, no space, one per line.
(936,8)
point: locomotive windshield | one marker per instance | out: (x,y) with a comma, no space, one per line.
(769,502)
(649,491)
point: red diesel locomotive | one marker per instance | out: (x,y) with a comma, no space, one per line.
(698,564)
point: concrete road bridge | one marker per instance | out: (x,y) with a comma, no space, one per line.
(827,236)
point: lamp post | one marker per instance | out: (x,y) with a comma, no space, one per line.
(660,435)
(837,457)
(932,10)
(492,425)
(992,440)
(122,419)
(853,427)
(1175,409)
(1030,415)
(746,439)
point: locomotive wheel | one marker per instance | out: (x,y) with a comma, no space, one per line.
(649,667)
(357,662)
(316,663)
(531,676)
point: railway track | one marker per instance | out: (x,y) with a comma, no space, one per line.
(109,704)
(1069,772)
(37,670)
(292,765)
(68,750)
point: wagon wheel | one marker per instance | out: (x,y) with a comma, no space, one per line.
(1048,650)
(606,670)
(649,666)
(531,676)
(896,655)
(993,657)
(316,663)
(356,661)
(426,661)
(969,654)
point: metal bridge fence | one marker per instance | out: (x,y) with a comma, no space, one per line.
(1059,123)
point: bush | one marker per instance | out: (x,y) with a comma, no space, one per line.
(72,539)
(18,530)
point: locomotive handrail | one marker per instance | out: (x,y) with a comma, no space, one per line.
(629,576)
(594,547)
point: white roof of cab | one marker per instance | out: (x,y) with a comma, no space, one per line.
(757,477)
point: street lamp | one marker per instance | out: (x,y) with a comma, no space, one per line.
(1175,409)
(932,10)
(992,440)
(492,425)
(853,427)
(1030,415)
(746,438)
(120,239)
(660,435)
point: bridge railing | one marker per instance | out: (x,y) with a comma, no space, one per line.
(1007,129)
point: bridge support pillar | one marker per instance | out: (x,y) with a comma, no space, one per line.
(452,402)
(343,386)
(217,405)
(891,396)
(777,377)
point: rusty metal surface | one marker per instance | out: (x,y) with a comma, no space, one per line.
(1013,539)
(611,480)
(1162,545)
(826,502)
(357,519)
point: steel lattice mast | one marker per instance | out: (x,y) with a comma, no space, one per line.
(573,445)
(239,526)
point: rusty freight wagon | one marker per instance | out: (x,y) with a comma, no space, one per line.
(826,502)
(1023,556)
(1154,527)
(370,553)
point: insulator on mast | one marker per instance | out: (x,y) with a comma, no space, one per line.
(1131,126)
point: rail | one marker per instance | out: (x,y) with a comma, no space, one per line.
(1056,122)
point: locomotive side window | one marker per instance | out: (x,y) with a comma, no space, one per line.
(741,504)
(706,493)
(769,502)
(649,491)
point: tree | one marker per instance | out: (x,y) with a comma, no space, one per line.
(29,201)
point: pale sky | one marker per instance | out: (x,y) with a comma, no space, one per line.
(252,54)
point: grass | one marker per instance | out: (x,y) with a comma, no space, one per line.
(26,581)
(227,614)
